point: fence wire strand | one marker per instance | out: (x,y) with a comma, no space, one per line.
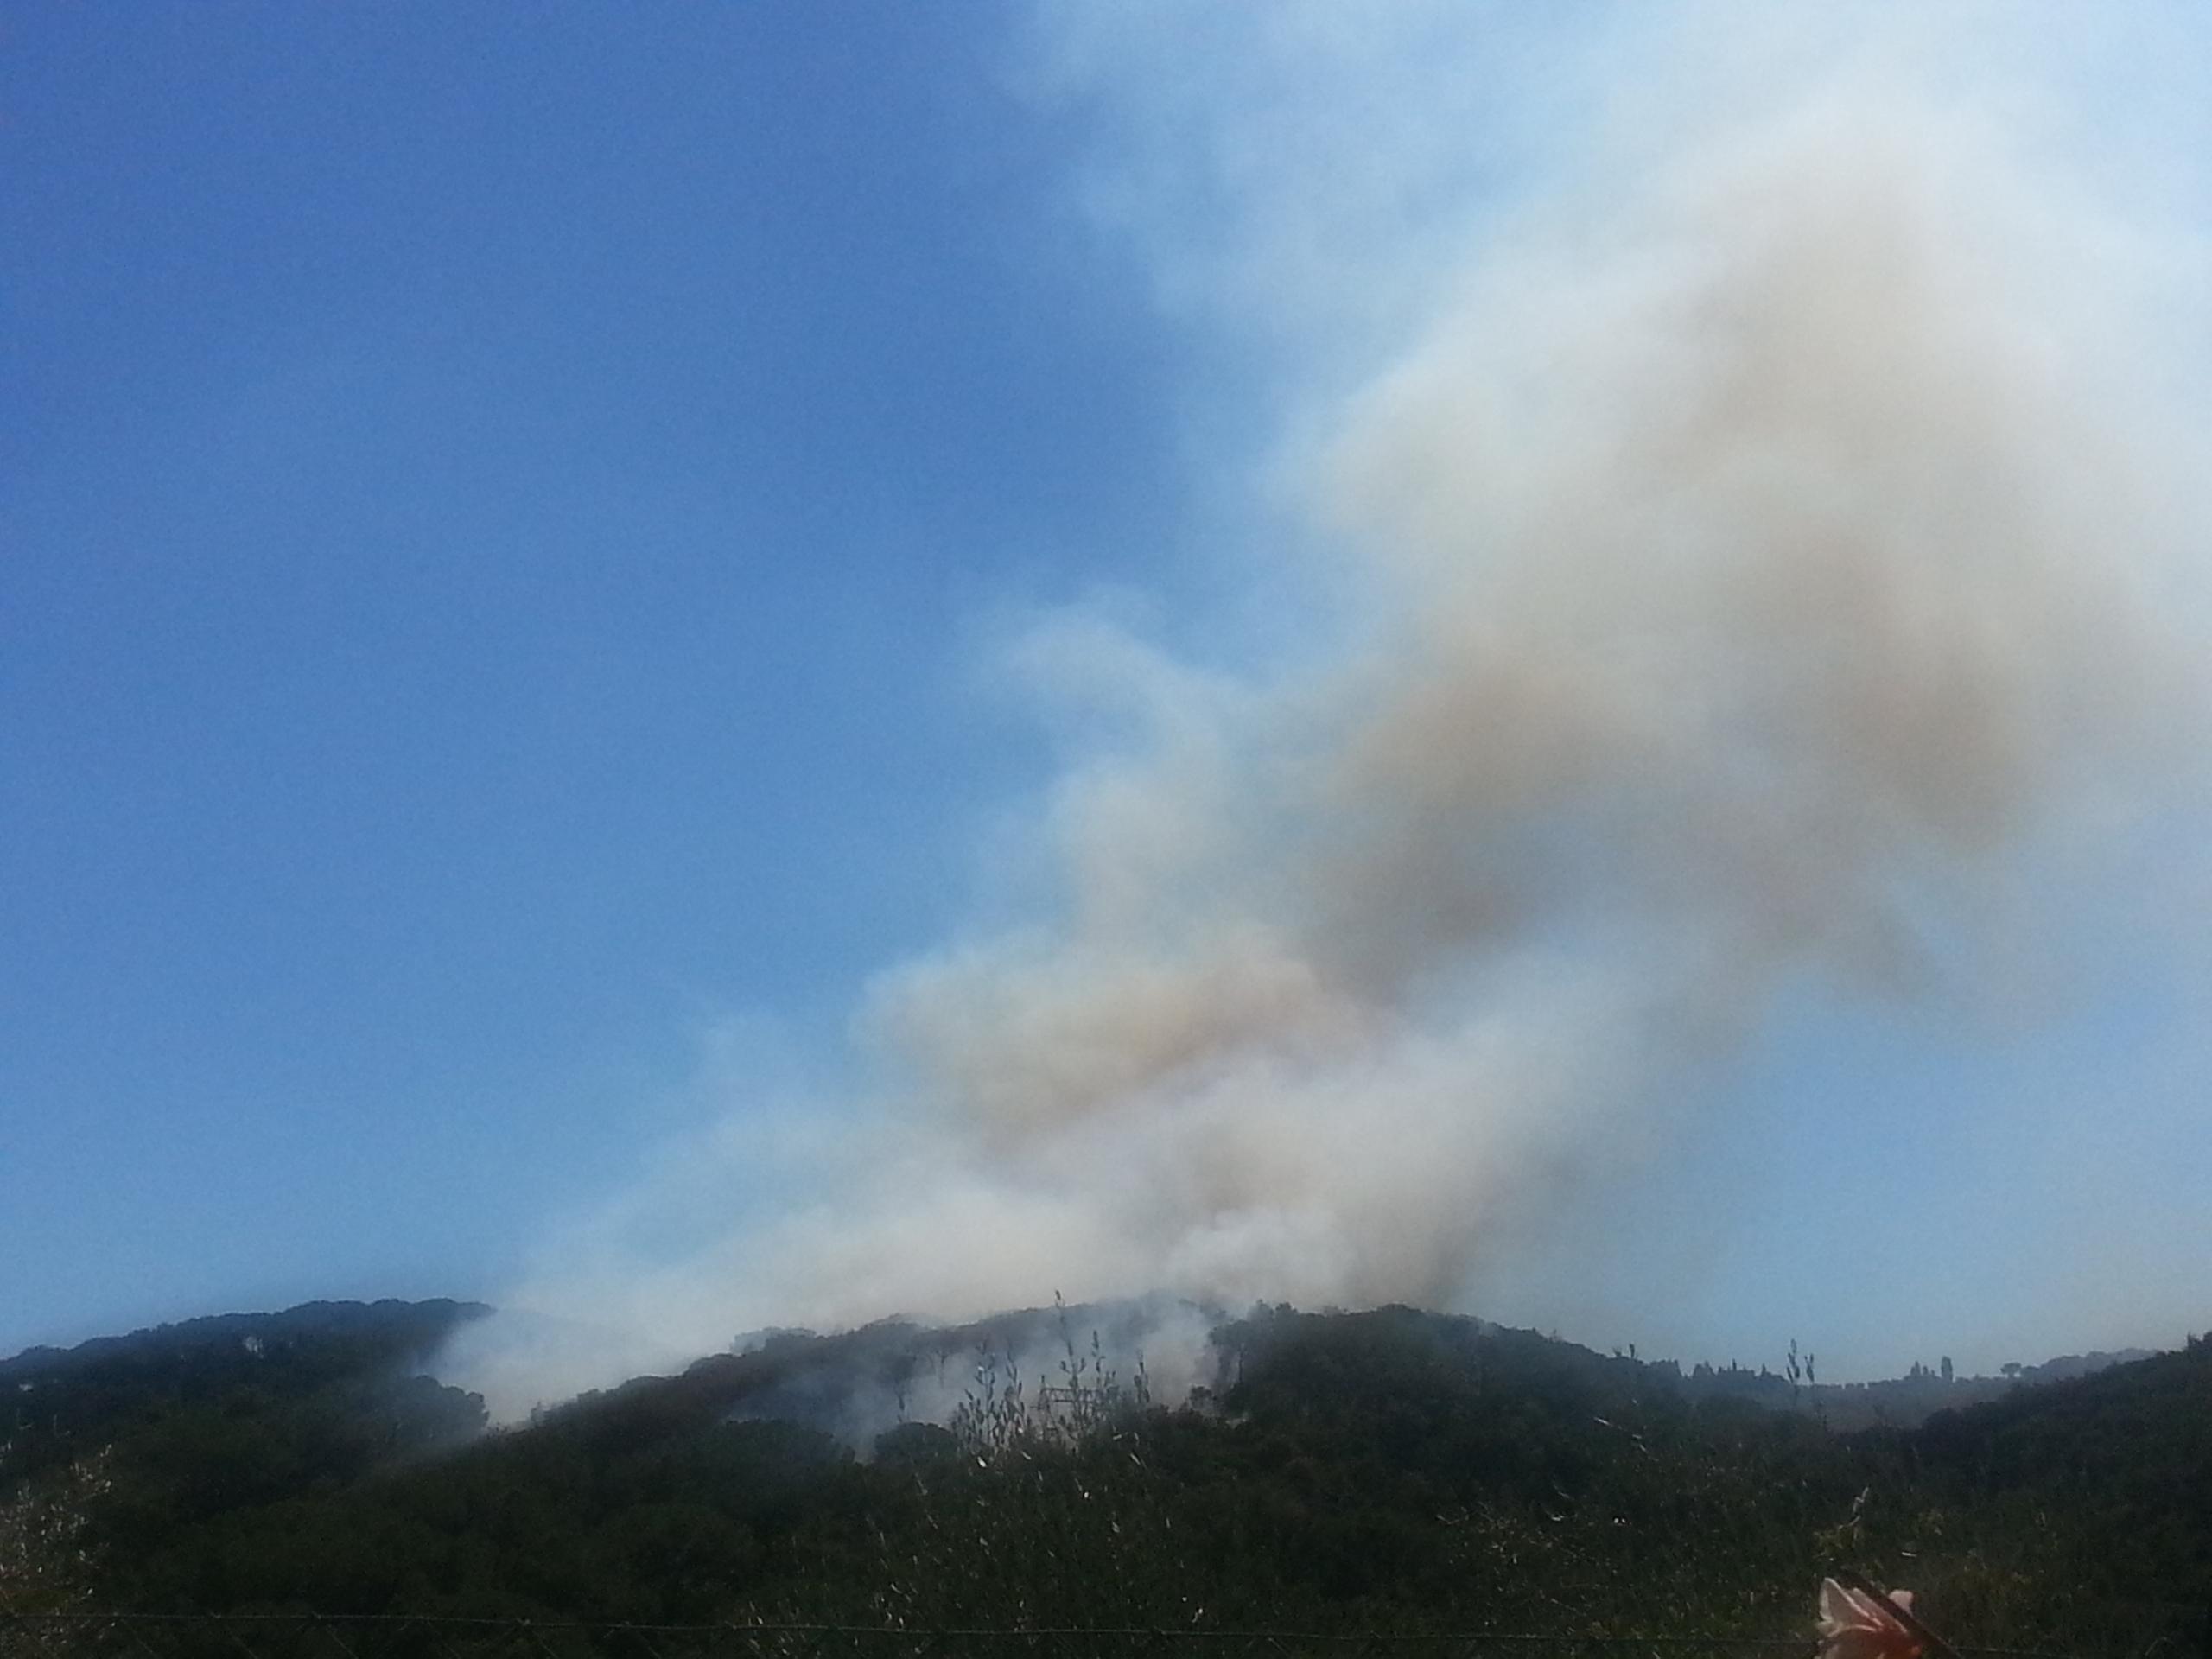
(82,1635)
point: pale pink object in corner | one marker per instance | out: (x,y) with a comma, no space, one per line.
(1856,1626)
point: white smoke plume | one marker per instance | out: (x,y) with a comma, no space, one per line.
(1761,528)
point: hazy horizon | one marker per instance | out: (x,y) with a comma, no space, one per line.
(1172,1369)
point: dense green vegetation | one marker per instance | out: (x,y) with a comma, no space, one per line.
(1386,1471)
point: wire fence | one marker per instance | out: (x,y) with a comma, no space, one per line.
(277,1636)
(288,1636)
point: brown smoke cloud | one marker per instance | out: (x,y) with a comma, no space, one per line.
(1761,553)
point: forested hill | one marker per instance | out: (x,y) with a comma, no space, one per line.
(337,1334)
(336,1362)
(1393,1470)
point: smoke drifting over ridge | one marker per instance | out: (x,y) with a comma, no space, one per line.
(1767,554)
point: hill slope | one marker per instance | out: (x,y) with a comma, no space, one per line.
(1393,1470)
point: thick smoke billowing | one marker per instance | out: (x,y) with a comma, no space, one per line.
(1762,554)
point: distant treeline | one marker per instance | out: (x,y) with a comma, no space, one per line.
(1900,1401)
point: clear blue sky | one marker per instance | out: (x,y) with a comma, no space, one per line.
(500,513)
(492,500)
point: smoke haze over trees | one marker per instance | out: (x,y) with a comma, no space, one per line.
(1747,576)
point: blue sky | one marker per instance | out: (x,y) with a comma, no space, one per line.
(514,530)
(494,501)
